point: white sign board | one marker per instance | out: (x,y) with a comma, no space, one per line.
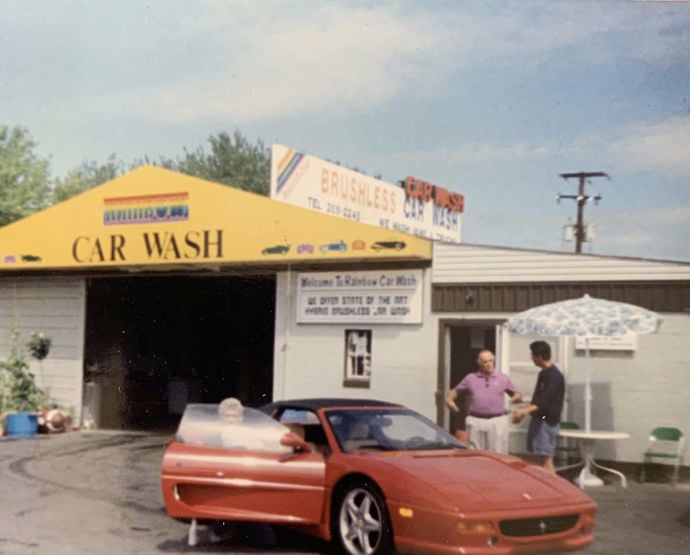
(371,297)
(418,208)
(603,343)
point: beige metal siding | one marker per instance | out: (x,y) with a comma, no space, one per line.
(479,264)
(56,307)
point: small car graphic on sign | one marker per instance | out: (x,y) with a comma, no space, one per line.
(276,249)
(31,258)
(9,259)
(305,248)
(338,246)
(388,245)
(359,245)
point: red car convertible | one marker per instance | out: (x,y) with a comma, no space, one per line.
(371,476)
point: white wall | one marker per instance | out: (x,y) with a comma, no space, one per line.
(633,391)
(55,307)
(309,358)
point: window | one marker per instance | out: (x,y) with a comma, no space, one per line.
(357,358)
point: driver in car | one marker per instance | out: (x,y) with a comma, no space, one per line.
(359,429)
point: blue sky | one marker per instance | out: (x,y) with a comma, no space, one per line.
(493,99)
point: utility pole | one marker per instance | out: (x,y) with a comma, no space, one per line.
(581,199)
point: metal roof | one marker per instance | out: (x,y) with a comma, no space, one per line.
(465,264)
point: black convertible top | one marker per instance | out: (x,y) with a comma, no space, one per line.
(317,403)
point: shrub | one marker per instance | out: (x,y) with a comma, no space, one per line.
(39,345)
(18,389)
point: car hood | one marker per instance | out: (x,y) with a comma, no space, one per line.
(487,480)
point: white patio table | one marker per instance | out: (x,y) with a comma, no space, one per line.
(587,439)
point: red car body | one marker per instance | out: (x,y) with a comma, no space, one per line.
(426,493)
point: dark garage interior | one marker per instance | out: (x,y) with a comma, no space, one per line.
(155,343)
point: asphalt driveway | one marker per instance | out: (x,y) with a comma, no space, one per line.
(93,492)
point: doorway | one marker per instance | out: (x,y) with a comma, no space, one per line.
(462,342)
(155,343)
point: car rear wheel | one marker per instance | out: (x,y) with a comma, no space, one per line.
(361,525)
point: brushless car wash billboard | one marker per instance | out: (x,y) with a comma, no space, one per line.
(412,206)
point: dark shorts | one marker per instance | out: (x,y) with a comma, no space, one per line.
(541,437)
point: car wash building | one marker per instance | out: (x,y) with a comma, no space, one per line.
(466,298)
(159,289)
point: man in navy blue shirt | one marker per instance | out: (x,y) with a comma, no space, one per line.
(545,407)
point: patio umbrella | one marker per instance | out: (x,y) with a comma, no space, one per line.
(585,317)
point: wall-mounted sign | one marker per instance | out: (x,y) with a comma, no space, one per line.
(385,296)
(414,206)
(613,343)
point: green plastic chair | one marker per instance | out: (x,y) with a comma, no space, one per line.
(666,445)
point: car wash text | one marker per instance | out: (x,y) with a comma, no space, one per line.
(204,244)
(446,205)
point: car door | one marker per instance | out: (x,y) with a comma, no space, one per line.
(270,483)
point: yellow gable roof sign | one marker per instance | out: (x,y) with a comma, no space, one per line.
(153,216)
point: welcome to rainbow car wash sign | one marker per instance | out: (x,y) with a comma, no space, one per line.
(413,206)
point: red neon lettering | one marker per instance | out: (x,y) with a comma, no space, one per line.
(425,191)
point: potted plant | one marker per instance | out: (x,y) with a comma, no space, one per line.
(20,397)
(39,345)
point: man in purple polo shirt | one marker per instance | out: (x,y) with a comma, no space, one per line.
(486,423)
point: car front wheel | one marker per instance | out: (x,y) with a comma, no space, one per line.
(361,523)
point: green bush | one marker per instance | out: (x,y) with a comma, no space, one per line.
(18,389)
(39,345)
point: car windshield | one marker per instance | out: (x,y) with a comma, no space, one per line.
(251,429)
(387,430)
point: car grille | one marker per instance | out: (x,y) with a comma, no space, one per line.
(537,526)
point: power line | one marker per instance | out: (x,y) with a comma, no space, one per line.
(581,199)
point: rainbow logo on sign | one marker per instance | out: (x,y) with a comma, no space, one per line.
(146,209)
(287,166)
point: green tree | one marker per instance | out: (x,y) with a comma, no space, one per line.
(85,177)
(24,176)
(231,161)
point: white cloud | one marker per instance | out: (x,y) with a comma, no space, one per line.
(483,153)
(660,146)
(313,61)
(245,62)
(534,30)
(478,157)
(659,233)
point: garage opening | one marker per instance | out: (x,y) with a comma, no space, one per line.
(155,343)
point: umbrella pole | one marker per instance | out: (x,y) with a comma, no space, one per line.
(588,390)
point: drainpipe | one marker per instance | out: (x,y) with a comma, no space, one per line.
(286,343)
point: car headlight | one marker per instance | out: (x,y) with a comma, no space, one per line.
(587,522)
(475,527)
